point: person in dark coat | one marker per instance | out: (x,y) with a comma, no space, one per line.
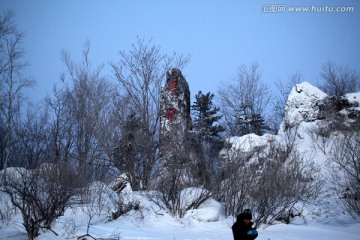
(242,229)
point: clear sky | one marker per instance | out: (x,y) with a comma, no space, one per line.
(220,35)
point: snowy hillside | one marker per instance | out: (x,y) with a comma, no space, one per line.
(323,221)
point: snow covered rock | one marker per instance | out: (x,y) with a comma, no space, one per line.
(209,211)
(307,103)
(303,104)
(246,144)
(201,207)
(121,184)
(250,141)
(353,111)
(175,104)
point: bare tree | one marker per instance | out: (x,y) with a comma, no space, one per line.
(89,102)
(339,80)
(345,158)
(7,210)
(287,179)
(32,138)
(41,195)
(140,72)
(236,178)
(95,203)
(243,102)
(177,172)
(175,194)
(125,154)
(321,136)
(12,81)
(270,179)
(60,140)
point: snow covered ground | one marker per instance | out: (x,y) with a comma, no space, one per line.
(195,230)
(207,222)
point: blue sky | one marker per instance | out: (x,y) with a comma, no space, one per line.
(220,35)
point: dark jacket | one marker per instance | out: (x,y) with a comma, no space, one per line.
(241,231)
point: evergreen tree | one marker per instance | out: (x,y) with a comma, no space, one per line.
(207,130)
(206,117)
(249,122)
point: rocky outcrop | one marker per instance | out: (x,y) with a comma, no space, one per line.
(175,121)
(307,103)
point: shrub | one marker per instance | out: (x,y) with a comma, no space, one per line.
(41,195)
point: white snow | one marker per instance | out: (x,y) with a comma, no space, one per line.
(353,97)
(151,227)
(250,141)
(209,211)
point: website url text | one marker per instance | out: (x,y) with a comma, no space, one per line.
(280,8)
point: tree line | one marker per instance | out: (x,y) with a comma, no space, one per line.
(94,128)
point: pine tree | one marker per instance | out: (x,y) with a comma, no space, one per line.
(207,130)
(206,119)
(249,122)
